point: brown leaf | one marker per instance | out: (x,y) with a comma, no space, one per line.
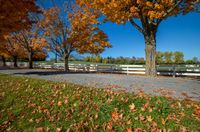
(109,126)
(39,129)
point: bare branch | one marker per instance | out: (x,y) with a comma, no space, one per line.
(136,26)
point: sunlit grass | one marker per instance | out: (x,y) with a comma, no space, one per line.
(28,104)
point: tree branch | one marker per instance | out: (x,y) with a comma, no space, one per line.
(136,26)
(169,11)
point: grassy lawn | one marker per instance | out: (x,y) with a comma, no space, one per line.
(38,105)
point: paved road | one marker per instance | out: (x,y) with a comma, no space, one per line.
(176,87)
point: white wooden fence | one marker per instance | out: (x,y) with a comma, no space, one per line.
(172,70)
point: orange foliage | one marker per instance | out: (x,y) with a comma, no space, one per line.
(14,15)
(85,35)
(78,32)
(120,11)
(10,47)
(31,41)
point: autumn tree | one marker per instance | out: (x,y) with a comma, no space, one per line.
(78,31)
(12,49)
(149,14)
(178,57)
(14,15)
(31,41)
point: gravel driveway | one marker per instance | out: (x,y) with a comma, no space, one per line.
(175,87)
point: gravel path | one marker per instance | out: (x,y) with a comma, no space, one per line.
(175,87)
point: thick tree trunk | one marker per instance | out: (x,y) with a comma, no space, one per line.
(150,50)
(4,60)
(30,60)
(66,67)
(15,61)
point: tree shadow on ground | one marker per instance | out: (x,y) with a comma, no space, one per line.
(45,73)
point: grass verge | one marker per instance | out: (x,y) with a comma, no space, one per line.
(28,104)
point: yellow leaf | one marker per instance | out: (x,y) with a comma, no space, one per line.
(163,121)
(132,107)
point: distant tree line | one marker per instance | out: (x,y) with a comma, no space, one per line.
(176,57)
(115,60)
(161,58)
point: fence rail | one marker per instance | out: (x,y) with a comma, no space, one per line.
(173,70)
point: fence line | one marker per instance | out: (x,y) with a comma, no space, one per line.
(172,70)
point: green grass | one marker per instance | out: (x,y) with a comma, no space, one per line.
(28,104)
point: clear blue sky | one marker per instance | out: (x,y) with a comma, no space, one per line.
(181,33)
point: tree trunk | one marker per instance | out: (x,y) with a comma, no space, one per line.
(150,42)
(66,67)
(4,60)
(56,58)
(15,61)
(30,59)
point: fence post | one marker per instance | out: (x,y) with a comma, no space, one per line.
(75,68)
(127,70)
(97,67)
(88,67)
(174,71)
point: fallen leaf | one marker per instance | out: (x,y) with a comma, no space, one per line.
(128,122)
(132,107)
(145,106)
(182,129)
(59,103)
(39,129)
(129,130)
(163,121)
(150,110)
(149,118)
(141,117)
(109,126)
(115,115)
(197,112)
(58,129)
(139,130)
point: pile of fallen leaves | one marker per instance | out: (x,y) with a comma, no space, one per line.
(37,105)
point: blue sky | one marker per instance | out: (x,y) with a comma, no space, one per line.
(181,33)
